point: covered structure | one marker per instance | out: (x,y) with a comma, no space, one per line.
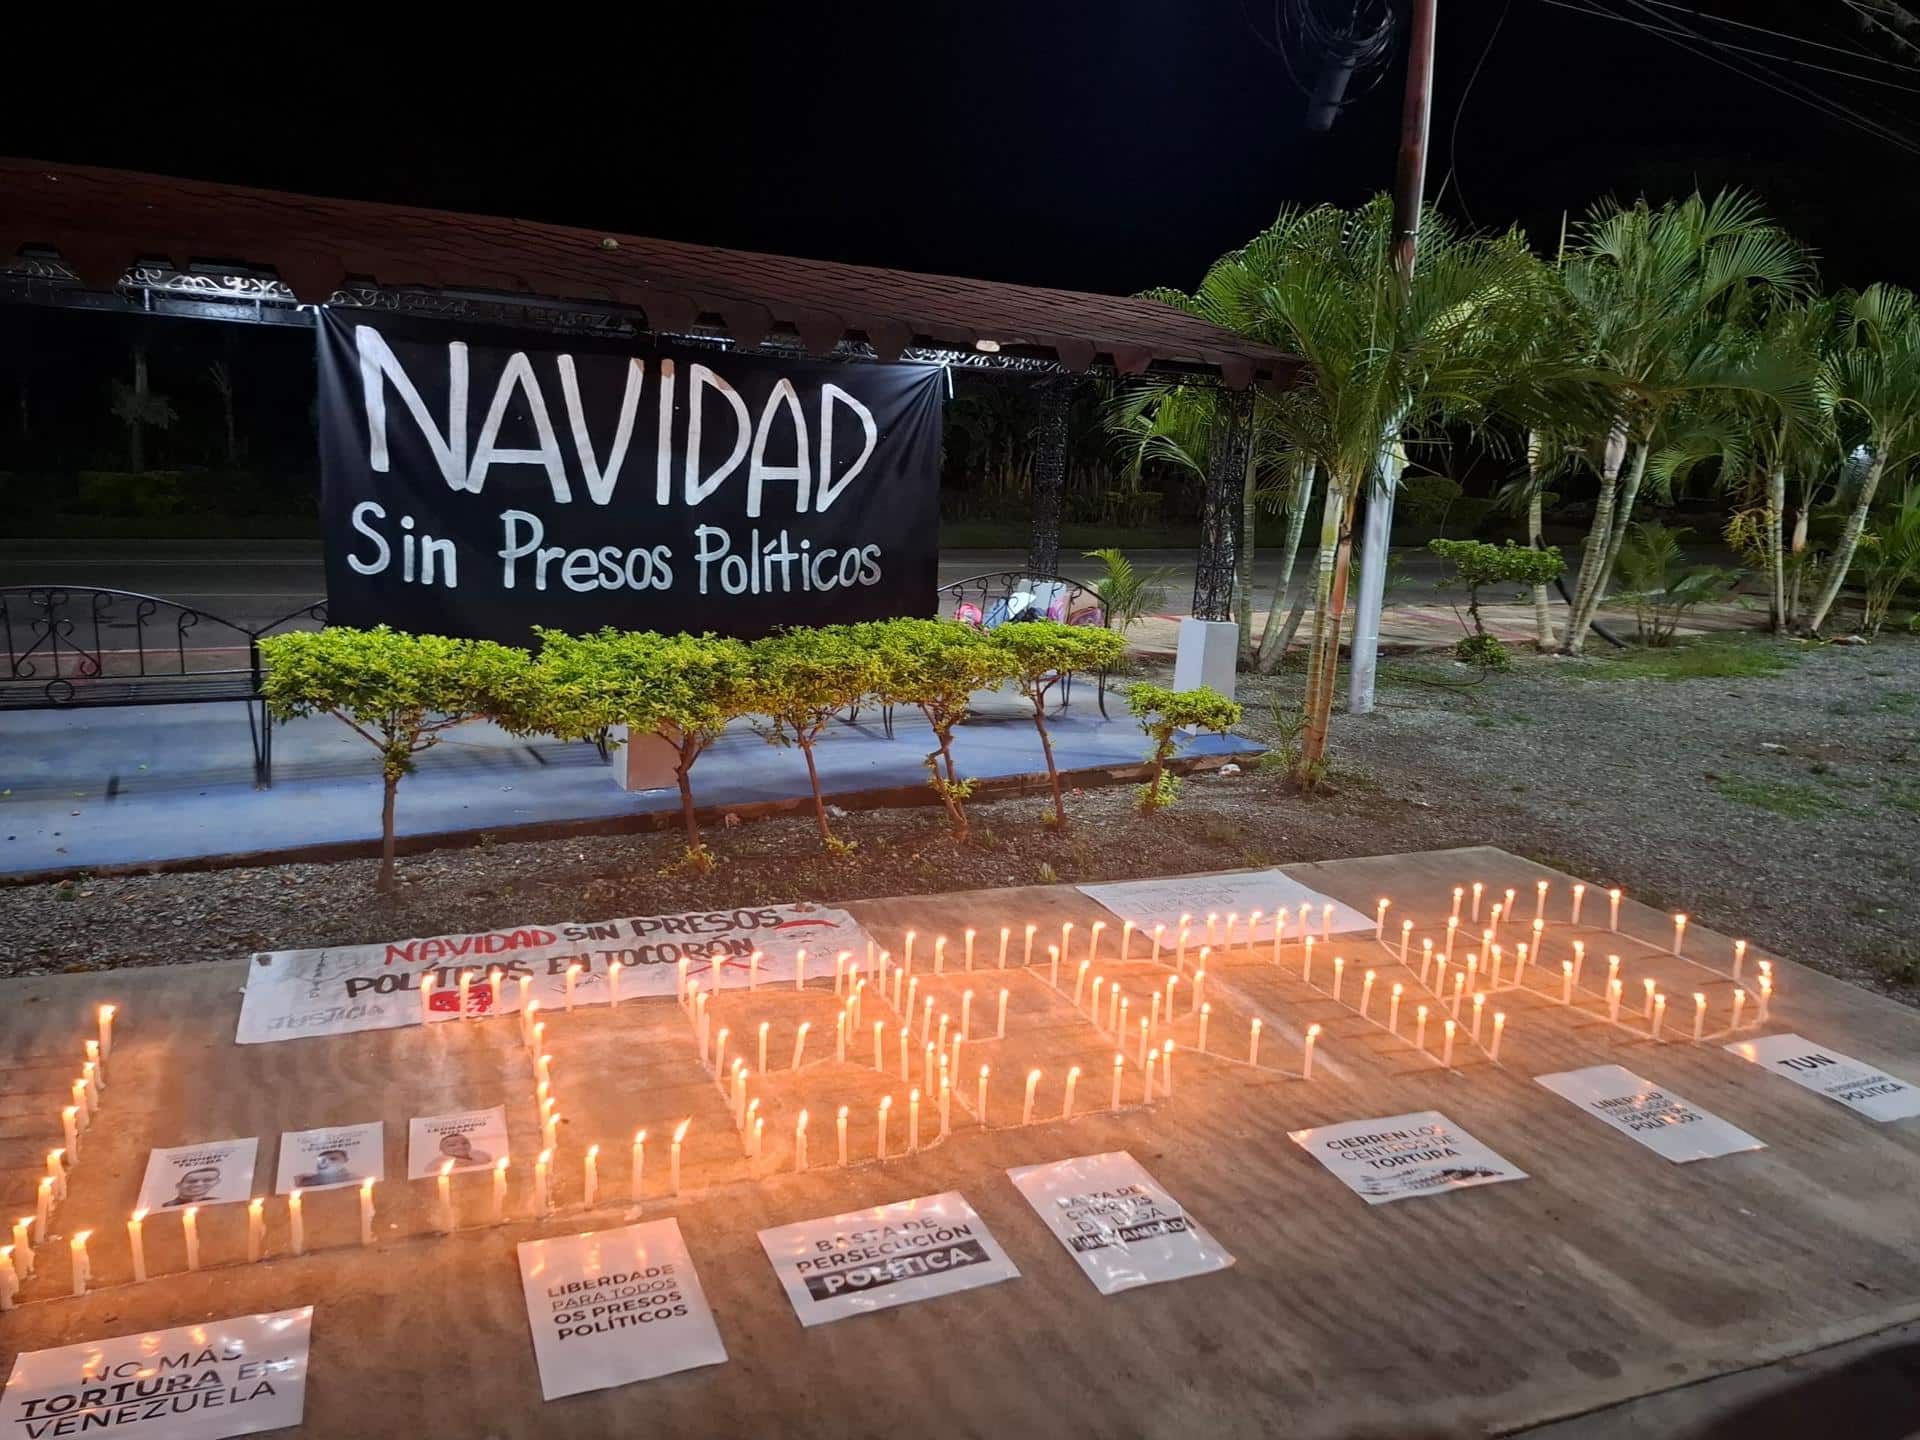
(122,241)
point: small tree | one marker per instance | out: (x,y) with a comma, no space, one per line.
(396,691)
(937,665)
(1891,559)
(1041,654)
(1476,565)
(1161,713)
(1127,593)
(799,680)
(683,688)
(1660,587)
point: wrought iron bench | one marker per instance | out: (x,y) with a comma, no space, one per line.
(78,647)
(1005,597)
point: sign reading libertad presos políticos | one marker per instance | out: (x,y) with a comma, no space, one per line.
(478,482)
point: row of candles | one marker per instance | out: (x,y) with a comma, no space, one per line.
(18,1260)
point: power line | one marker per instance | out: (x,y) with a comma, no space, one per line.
(1787,35)
(1459,109)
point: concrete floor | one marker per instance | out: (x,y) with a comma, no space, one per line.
(1608,1276)
(94,788)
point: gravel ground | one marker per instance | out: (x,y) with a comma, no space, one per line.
(1784,807)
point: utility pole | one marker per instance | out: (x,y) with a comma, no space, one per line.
(1409,190)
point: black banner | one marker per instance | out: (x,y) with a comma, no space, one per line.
(480,482)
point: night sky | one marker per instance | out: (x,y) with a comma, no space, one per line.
(1100,146)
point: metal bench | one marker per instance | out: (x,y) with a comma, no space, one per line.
(79,647)
(1006,597)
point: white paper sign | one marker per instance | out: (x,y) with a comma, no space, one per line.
(1403,1156)
(615,1306)
(891,1255)
(1855,1084)
(1114,1218)
(472,1139)
(328,1159)
(218,1172)
(1658,1119)
(1162,902)
(292,994)
(197,1382)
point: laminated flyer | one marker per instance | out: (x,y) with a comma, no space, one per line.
(615,1306)
(1658,1119)
(890,1255)
(1854,1083)
(1403,1156)
(1162,902)
(1117,1221)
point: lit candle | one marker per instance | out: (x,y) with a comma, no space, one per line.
(1199,986)
(22,1249)
(90,1077)
(1459,986)
(57,1170)
(1613,909)
(765,1025)
(926,1017)
(9,1279)
(1126,940)
(82,1268)
(886,1104)
(800,1142)
(1579,961)
(946,1099)
(1493,967)
(1766,998)
(1739,955)
(1146,1033)
(1659,1013)
(1579,894)
(1166,1067)
(1093,941)
(1053,966)
(968,936)
(1306,1058)
(1380,918)
(1366,992)
(1093,1010)
(1473,966)
(905,1040)
(939,954)
(679,1135)
(1172,980)
(366,1211)
(1566,982)
(1739,1003)
(1499,1029)
(70,1130)
(1453,928)
(190,1229)
(966,1011)
(1420,1027)
(256,1227)
(1026,953)
(913,1120)
(879,1044)
(1499,913)
(137,1245)
(840,1037)
(980,1097)
(82,1114)
(1153,1011)
(906,951)
(1180,947)
(1146,1094)
(466,988)
(1679,932)
(841,1127)
(446,1194)
(1159,934)
(1118,1015)
(1393,1009)
(740,1096)
(543,1069)
(100,1066)
(1614,989)
(43,1208)
(1213,918)
(1479,1003)
(1066,937)
(1539,902)
(1279,932)
(1033,1084)
(759,1138)
(1446,1044)
(926,1066)
(1206,1013)
(1306,961)
(799,1043)
(1426,956)
(542,1193)
(1406,939)
(1477,889)
(1000,1030)
(720,1050)
(799,970)
(1006,933)
(1339,974)
(1253,1042)
(1457,894)
(105,1016)
(913,994)
(840,970)
(1647,1011)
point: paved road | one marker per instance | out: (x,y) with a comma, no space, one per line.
(254,581)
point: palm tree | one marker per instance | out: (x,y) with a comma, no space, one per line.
(1663,296)
(1871,386)
(1380,367)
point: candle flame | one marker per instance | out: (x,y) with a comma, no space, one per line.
(139,1215)
(680,1130)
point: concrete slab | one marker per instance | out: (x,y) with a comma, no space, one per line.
(1608,1275)
(88,789)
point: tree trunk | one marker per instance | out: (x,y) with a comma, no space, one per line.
(1595,548)
(819,801)
(1776,549)
(1842,560)
(384,881)
(1323,655)
(1543,638)
(1797,547)
(956,812)
(1273,647)
(1046,748)
(1243,563)
(1588,600)
(680,773)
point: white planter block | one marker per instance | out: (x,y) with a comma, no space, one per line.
(1206,655)
(643,762)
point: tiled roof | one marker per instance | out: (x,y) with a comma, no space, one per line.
(100,222)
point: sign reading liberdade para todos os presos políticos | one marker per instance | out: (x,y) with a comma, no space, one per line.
(479,482)
(294,994)
(197,1382)
(1117,1221)
(1853,1083)
(614,1306)
(1658,1119)
(891,1255)
(1403,1156)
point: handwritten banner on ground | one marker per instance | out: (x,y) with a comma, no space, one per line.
(615,1306)
(197,1382)
(218,1172)
(329,1158)
(1854,1083)
(1658,1119)
(1403,1156)
(891,1255)
(472,1139)
(1162,902)
(293,994)
(1116,1220)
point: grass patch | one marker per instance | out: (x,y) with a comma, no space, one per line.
(1795,801)
(1704,660)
